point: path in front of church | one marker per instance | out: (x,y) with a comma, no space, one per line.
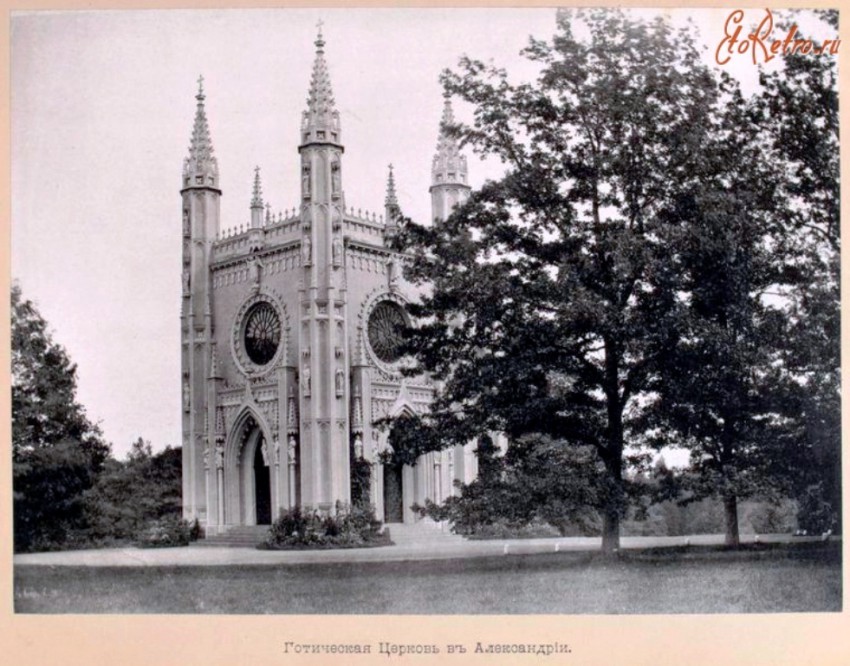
(214,556)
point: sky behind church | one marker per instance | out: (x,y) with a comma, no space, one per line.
(102,110)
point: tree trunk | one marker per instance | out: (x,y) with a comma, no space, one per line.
(611,528)
(613,452)
(613,499)
(730,504)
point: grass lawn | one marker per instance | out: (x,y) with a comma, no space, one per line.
(790,578)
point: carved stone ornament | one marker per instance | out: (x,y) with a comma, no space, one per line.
(392,275)
(305,182)
(336,183)
(187,398)
(358,447)
(339,381)
(219,456)
(256,269)
(290,450)
(305,380)
(336,247)
(307,251)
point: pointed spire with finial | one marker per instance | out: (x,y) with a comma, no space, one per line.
(257,194)
(391,208)
(320,121)
(257,201)
(391,199)
(201,166)
(449,166)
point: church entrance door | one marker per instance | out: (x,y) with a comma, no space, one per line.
(393,497)
(262,488)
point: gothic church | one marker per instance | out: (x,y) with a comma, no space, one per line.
(289,333)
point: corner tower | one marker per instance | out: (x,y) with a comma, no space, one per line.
(323,364)
(201,197)
(449,184)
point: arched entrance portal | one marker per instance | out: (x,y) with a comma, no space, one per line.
(249,474)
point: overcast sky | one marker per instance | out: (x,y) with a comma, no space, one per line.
(102,110)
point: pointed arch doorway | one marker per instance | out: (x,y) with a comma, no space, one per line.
(249,474)
(398,479)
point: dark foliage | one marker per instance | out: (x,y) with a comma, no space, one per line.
(361,480)
(554,293)
(57,452)
(539,482)
(658,265)
(130,495)
(346,527)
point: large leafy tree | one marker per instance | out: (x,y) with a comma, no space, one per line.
(56,450)
(798,109)
(553,290)
(752,385)
(722,389)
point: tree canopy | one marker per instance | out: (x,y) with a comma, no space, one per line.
(617,276)
(56,451)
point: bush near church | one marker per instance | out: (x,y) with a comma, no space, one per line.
(347,527)
(540,487)
(168,532)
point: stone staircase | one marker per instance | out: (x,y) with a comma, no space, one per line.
(423,533)
(237,536)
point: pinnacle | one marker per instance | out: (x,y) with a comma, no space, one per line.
(201,161)
(257,195)
(391,199)
(321,114)
(445,143)
(449,166)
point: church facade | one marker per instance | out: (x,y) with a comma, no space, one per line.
(289,333)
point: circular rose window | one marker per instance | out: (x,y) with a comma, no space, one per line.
(262,333)
(386,323)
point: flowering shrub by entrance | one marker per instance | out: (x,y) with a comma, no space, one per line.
(346,527)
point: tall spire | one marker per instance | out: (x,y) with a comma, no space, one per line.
(320,121)
(391,199)
(449,166)
(257,195)
(391,209)
(257,201)
(201,166)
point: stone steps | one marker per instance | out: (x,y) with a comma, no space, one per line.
(237,536)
